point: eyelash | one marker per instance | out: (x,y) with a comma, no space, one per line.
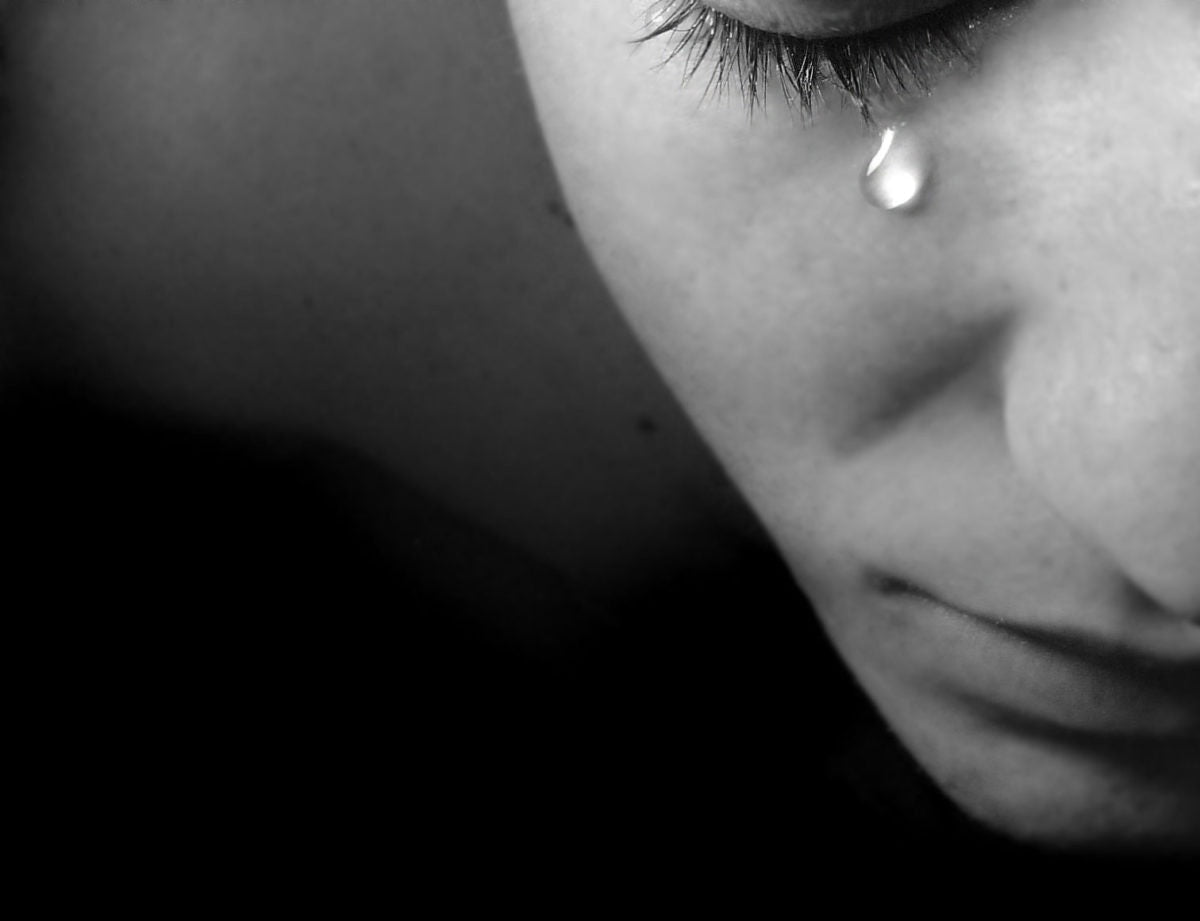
(898,60)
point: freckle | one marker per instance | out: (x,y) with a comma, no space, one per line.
(1064,284)
(646,425)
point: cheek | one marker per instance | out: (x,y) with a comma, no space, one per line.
(783,309)
(742,251)
(728,240)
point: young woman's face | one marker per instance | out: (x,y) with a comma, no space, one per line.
(972,428)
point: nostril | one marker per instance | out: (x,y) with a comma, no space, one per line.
(1136,599)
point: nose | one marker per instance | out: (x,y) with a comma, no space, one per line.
(1102,382)
(1101,417)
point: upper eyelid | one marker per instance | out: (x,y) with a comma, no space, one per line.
(904,58)
(817,19)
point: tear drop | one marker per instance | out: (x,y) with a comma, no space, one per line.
(900,174)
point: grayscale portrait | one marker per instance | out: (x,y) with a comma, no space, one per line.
(725,425)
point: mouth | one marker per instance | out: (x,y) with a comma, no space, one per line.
(1064,685)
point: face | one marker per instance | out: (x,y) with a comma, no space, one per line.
(971,428)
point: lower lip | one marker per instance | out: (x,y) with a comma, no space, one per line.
(1034,690)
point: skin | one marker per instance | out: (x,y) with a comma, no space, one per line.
(992,399)
(823,17)
(230,210)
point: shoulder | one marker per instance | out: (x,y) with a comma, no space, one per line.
(340,218)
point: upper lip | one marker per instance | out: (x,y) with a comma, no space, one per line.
(1088,648)
(1175,674)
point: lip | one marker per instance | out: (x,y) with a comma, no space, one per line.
(1063,684)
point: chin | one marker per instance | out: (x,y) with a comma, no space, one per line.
(1064,801)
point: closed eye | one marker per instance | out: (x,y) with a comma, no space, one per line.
(903,58)
(824,18)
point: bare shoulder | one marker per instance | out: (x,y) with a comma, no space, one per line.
(340,218)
